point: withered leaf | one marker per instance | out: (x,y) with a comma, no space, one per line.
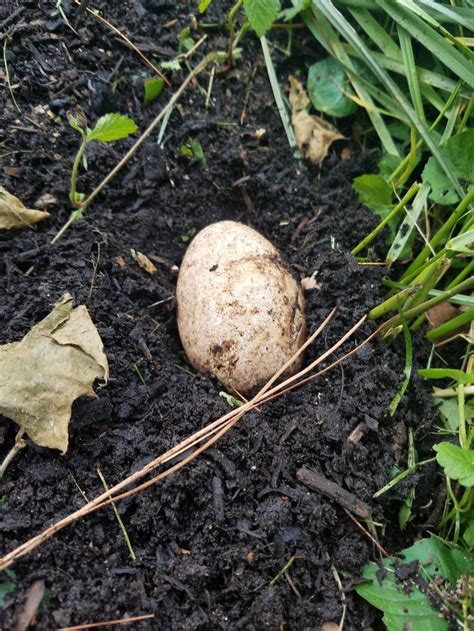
(13,214)
(43,374)
(313,134)
(143,261)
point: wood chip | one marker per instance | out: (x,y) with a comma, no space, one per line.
(317,482)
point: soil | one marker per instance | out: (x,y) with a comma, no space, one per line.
(209,539)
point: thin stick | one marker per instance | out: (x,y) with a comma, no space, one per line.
(20,443)
(343,596)
(94,625)
(131,152)
(382,551)
(150,64)
(7,76)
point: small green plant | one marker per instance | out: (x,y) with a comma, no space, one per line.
(428,587)
(107,129)
(193,149)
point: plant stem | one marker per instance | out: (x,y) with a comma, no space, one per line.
(428,304)
(451,326)
(391,303)
(285,119)
(463,441)
(17,447)
(401,476)
(75,169)
(370,237)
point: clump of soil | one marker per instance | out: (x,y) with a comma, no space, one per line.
(210,539)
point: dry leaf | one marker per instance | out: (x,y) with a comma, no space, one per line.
(45,200)
(53,365)
(440,314)
(309,283)
(143,261)
(313,134)
(13,214)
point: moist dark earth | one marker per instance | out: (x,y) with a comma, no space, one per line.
(210,538)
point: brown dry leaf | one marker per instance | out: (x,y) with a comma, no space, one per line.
(440,314)
(45,200)
(313,134)
(143,261)
(13,214)
(43,374)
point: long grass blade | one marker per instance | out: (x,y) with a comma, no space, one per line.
(410,71)
(426,34)
(451,14)
(425,76)
(377,33)
(407,369)
(408,224)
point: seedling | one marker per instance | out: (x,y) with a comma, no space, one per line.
(107,129)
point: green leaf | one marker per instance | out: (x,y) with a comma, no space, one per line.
(112,127)
(328,85)
(405,606)
(459,243)
(232,401)
(458,464)
(193,149)
(468,535)
(374,192)
(261,14)
(446,373)
(448,409)
(153,88)
(459,151)
(203,5)
(298,5)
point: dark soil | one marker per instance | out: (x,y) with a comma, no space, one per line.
(209,539)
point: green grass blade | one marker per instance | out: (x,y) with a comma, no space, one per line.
(408,224)
(410,71)
(428,77)
(347,31)
(429,37)
(450,14)
(285,118)
(451,122)
(407,369)
(377,33)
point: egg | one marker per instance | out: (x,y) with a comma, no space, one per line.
(241,314)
